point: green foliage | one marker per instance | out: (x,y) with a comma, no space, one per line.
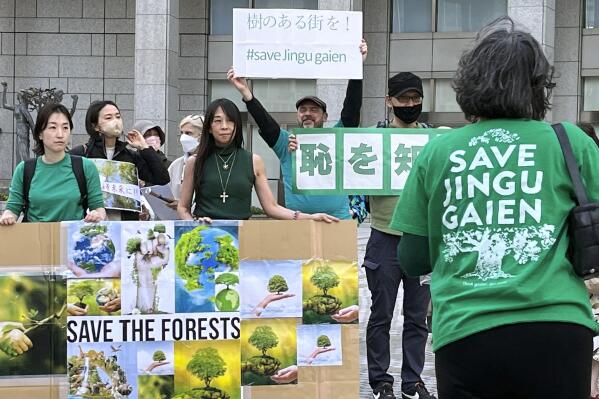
(264,338)
(323,341)
(81,289)
(159,356)
(325,278)
(133,245)
(93,230)
(207,364)
(160,228)
(277,284)
(227,252)
(150,234)
(156,386)
(189,242)
(128,173)
(227,279)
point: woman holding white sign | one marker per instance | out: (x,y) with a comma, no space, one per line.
(222,174)
(485,208)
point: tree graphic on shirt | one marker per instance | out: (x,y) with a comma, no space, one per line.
(524,244)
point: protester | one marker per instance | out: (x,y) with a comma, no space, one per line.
(222,174)
(311,113)
(191,129)
(154,136)
(104,126)
(404,101)
(56,193)
(486,209)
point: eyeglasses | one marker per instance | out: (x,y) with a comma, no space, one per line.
(406,99)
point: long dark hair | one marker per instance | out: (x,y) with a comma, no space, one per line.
(93,114)
(505,75)
(207,145)
(41,122)
(589,130)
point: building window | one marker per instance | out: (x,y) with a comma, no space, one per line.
(221,11)
(445,97)
(302,4)
(412,16)
(280,95)
(591,93)
(592,13)
(468,15)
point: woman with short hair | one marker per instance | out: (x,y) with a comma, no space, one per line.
(54,191)
(485,208)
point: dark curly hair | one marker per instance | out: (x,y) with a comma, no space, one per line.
(41,122)
(505,75)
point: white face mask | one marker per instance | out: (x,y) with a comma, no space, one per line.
(112,128)
(188,143)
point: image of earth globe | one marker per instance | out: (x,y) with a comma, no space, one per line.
(203,251)
(227,300)
(93,249)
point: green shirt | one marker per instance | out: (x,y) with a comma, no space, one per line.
(236,182)
(493,199)
(54,193)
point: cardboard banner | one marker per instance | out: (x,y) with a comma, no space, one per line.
(120,184)
(356,160)
(180,310)
(297,44)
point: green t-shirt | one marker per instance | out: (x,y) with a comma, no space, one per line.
(493,199)
(54,193)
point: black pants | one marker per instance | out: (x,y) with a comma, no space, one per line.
(384,276)
(518,361)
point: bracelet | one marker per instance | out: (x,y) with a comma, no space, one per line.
(296,215)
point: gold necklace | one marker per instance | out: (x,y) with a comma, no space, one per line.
(226,162)
(224,195)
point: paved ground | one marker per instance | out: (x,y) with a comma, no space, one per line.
(396,328)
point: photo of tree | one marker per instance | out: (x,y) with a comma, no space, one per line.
(270,288)
(329,288)
(32,321)
(319,345)
(207,370)
(120,185)
(267,346)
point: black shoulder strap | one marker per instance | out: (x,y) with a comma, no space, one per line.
(579,189)
(28,172)
(77,165)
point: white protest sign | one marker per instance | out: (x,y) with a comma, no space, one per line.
(297,44)
(315,161)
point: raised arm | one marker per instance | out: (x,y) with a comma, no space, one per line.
(350,114)
(4,103)
(269,129)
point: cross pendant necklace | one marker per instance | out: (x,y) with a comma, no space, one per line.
(224,196)
(224,186)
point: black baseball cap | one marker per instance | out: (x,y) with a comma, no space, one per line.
(404,82)
(314,99)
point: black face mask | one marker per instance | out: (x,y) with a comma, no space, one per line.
(408,114)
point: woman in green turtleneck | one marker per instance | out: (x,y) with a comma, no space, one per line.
(222,174)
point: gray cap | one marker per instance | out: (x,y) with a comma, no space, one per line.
(314,99)
(143,126)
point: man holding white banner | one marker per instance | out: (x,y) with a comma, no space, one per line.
(311,113)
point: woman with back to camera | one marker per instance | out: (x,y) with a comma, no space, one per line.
(104,126)
(485,208)
(222,174)
(54,191)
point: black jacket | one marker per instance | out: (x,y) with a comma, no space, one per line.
(150,167)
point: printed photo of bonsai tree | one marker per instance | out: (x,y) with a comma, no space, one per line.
(330,292)
(270,288)
(206,364)
(81,289)
(319,345)
(227,300)
(323,342)
(149,253)
(267,347)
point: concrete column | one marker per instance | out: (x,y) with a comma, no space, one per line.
(157,65)
(332,91)
(538,16)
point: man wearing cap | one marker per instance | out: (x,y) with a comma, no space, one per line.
(311,113)
(154,136)
(384,275)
